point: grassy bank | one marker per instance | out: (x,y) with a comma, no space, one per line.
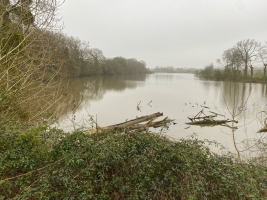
(42,163)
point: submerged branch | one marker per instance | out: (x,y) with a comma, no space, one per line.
(264,128)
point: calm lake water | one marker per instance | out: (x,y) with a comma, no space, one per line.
(113,100)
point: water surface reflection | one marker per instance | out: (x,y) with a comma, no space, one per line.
(85,90)
(114,99)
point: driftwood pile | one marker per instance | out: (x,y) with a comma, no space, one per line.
(208,120)
(135,124)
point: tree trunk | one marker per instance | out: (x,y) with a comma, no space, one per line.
(246,70)
(264,72)
(251,68)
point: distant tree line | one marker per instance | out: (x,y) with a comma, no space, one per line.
(80,60)
(171,69)
(247,60)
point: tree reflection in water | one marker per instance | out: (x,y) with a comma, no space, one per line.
(82,91)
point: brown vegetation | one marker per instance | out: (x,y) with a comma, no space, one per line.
(236,61)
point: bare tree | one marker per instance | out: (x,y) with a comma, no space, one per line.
(232,62)
(262,56)
(247,49)
(28,61)
(96,57)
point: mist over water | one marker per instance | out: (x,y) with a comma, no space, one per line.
(112,100)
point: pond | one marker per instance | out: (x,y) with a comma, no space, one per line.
(115,99)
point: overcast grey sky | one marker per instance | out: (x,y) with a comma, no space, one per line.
(178,33)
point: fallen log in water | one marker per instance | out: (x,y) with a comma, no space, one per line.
(216,113)
(264,128)
(204,118)
(134,124)
(208,122)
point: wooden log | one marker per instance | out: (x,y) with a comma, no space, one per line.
(204,107)
(264,128)
(231,127)
(134,121)
(206,117)
(134,124)
(141,127)
(199,113)
(208,122)
(216,113)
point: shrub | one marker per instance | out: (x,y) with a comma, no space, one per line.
(109,165)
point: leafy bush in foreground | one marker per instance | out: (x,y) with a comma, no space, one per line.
(54,165)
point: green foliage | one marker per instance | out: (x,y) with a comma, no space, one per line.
(109,165)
